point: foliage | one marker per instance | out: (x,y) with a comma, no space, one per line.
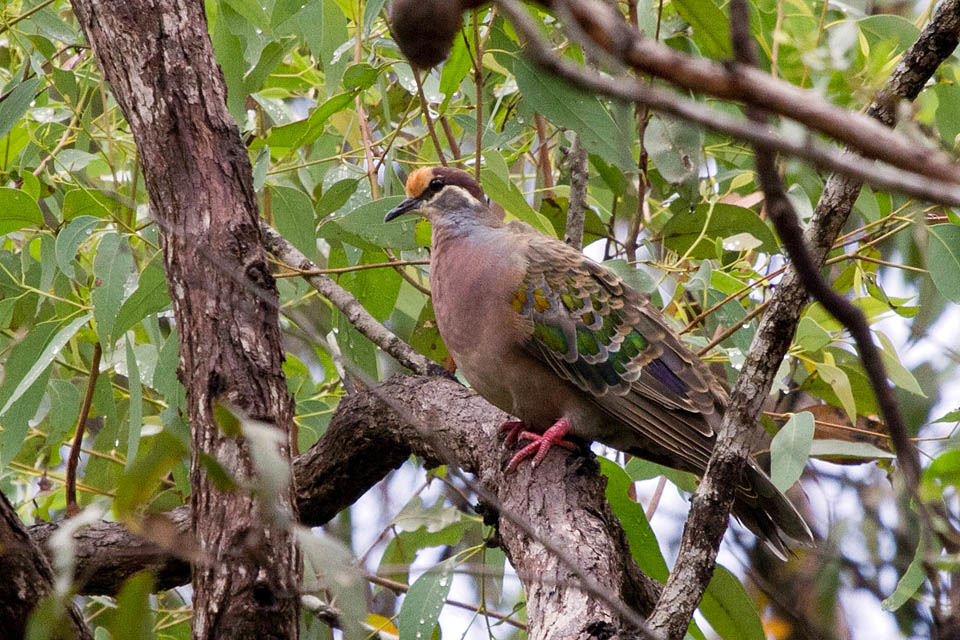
(80,265)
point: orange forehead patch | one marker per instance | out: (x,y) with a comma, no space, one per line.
(418,181)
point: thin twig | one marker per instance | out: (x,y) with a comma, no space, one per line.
(74,457)
(365,136)
(655,500)
(406,276)
(543,155)
(343,300)
(425,111)
(360,267)
(478,83)
(451,139)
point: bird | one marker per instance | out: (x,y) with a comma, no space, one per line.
(563,344)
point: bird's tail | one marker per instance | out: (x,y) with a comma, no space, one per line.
(769,514)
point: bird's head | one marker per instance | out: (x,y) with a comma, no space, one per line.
(445,195)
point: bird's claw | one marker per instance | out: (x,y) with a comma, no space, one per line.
(540,444)
(513,429)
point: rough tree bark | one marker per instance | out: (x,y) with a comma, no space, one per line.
(27,578)
(159,61)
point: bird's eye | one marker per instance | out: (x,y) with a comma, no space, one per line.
(436,184)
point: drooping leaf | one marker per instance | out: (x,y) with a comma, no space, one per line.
(423,602)
(136,405)
(111,267)
(13,106)
(150,296)
(789,450)
(69,240)
(45,358)
(293,212)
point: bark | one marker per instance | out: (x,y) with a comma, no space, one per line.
(27,578)
(373,432)
(159,61)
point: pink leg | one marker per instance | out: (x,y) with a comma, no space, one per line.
(540,444)
(513,429)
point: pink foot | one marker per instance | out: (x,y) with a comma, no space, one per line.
(513,429)
(540,444)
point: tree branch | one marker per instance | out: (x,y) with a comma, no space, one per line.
(27,579)
(373,432)
(604,24)
(881,177)
(349,306)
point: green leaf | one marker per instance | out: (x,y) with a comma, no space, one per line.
(675,147)
(811,336)
(17,366)
(64,406)
(943,259)
(789,450)
(423,602)
(370,12)
(133,619)
(293,213)
(85,202)
(640,469)
(508,196)
(711,30)
(336,196)
(414,516)
(142,479)
(897,373)
(69,240)
(568,107)
(16,103)
(945,468)
(951,416)
(17,210)
(366,222)
(729,609)
(643,543)
(634,276)
(683,229)
(150,296)
(948,111)
(136,405)
(455,68)
(111,267)
(359,76)
(45,358)
(73,159)
(828,448)
(909,583)
(837,379)
(304,132)
(882,27)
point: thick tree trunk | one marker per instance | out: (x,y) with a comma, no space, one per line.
(27,578)
(159,60)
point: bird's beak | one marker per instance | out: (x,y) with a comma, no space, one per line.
(410,204)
